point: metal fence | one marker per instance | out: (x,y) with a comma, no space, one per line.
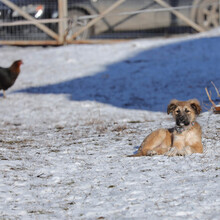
(56,22)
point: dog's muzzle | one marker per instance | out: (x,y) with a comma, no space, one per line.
(182,120)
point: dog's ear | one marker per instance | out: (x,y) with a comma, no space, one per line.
(172,106)
(194,103)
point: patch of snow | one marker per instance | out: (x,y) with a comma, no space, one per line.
(76,111)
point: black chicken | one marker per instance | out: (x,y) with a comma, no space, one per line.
(9,75)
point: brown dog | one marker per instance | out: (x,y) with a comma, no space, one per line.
(183,139)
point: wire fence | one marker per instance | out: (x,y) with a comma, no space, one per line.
(40,20)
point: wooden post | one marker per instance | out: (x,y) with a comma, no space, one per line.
(95,20)
(181,16)
(62,7)
(30,18)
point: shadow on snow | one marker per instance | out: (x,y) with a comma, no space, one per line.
(150,79)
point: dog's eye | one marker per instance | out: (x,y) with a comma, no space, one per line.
(187,111)
(178,112)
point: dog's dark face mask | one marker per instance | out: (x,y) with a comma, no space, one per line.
(183,117)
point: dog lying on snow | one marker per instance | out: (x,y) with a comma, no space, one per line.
(184,139)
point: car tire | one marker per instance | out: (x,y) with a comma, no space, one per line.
(75,24)
(207,15)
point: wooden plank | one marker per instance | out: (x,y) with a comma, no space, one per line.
(25,22)
(95,20)
(112,41)
(30,18)
(53,42)
(180,15)
(29,42)
(62,7)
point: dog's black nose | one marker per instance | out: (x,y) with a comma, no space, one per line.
(182,118)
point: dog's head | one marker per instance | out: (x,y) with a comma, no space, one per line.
(184,112)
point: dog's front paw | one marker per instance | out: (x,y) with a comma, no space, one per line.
(187,150)
(173,151)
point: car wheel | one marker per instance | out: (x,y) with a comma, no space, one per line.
(208,14)
(75,24)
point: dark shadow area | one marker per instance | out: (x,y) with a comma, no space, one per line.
(150,33)
(135,149)
(149,79)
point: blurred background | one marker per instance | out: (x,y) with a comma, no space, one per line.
(57,22)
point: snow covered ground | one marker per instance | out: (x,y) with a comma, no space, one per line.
(76,111)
